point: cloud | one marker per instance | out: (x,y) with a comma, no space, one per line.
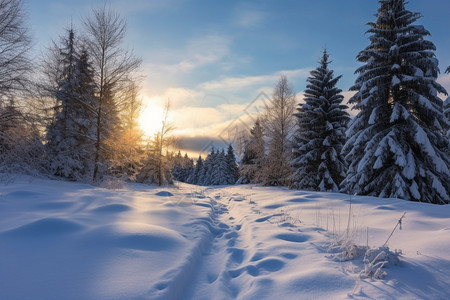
(444,80)
(178,97)
(198,144)
(221,109)
(347,95)
(239,83)
(197,53)
(248,16)
(139,6)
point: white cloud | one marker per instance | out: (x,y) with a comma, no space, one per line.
(195,54)
(139,6)
(221,108)
(444,80)
(238,83)
(347,95)
(249,16)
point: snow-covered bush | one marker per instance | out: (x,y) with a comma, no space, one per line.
(377,258)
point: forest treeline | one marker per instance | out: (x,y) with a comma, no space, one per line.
(72,114)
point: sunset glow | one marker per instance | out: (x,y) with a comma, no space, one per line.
(151,120)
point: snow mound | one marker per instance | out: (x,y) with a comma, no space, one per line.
(145,237)
(46,227)
(164,194)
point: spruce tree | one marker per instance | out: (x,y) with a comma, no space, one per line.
(188,168)
(447,110)
(396,145)
(251,163)
(70,133)
(208,167)
(317,161)
(254,148)
(219,174)
(232,167)
(177,168)
(447,114)
(194,178)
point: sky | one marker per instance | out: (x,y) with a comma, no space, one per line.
(218,61)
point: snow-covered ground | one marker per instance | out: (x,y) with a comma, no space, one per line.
(61,240)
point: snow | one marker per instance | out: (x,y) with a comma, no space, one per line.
(395,81)
(61,240)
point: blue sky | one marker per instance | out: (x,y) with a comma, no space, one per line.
(213,58)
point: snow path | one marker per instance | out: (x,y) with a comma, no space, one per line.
(221,254)
(248,248)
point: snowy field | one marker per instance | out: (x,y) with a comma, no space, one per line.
(61,240)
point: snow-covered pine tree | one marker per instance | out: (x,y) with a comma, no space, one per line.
(254,148)
(219,171)
(208,167)
(251,163)
(447,113)
(317,161)
(188,168)
(396,142)
(177,168)
(232,167)
(69,135)
(82,118)
(194,178)
(447,109)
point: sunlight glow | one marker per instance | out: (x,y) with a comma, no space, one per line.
(151,119)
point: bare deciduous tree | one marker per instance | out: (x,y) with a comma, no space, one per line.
(156,167)
(14,45)
(19,142)
(128,152)
(279,124)
(113,69)
(162,142)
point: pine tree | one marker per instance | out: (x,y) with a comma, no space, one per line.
(177,168)
(447,114)
(194,178)
(219,172)
(232,167)
(251,163)
(396,142)
(208,167)
(322,118)
(69,136)
(254,149)
(447,110)
(188,168)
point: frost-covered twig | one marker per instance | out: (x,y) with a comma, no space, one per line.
(399,222)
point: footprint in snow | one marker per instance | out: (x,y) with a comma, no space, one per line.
(265,266)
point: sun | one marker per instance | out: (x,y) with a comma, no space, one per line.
(151,119)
